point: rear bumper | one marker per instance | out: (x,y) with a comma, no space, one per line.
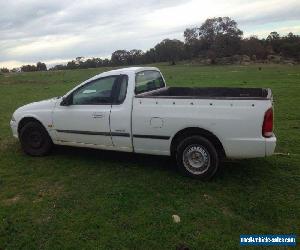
(242,148)
(14,128)
(270,145)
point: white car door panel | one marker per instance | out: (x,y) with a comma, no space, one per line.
(84,116)
(83,124)
(120,118)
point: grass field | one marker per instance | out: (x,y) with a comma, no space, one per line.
(87,199)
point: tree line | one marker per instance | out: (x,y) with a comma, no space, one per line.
(27,68)
(217,37)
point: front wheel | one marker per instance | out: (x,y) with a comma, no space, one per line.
(197,157)
(34,139)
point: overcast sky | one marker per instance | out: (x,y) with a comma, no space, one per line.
(56,31)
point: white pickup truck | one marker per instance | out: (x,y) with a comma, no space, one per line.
(132,110)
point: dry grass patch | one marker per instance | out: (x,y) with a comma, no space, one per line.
(13,200)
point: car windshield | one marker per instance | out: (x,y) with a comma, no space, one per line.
(148,80)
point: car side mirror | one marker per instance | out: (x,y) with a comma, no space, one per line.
(66,101)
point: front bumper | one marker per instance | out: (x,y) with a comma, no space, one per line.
(14,128)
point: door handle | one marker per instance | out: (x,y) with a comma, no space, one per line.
(97,115)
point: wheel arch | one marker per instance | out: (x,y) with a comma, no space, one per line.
(24,120)
(190,131)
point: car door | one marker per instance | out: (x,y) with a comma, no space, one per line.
(85,118)
(120,116)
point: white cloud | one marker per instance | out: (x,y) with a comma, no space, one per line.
(12,64)
(53,43)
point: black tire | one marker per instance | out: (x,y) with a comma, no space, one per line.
(34,139)
(197,157)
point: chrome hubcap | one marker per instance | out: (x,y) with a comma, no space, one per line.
(196,159)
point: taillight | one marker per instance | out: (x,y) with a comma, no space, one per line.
(267,128)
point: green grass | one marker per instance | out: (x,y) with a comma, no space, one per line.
(90,199)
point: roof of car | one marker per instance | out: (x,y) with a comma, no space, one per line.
(125,70)
(120,71)
(132,69)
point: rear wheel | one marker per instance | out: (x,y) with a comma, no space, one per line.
(197,157)
(34,139)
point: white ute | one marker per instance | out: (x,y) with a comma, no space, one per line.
(132,110)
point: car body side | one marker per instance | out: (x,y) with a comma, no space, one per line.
(151,124)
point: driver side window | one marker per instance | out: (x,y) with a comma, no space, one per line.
(96,92)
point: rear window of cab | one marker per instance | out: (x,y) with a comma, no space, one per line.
(148,80)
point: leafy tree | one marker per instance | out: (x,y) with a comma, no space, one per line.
(90,63)
(135,56)
(170,50)
(290,46)
(274,40)
(4,70)
(191,35)
(214,27)
(193,44)
(253,47)
(106,62)
(120,57)
(41,66)
(221,35)
(28,68)
(150,56)
(71,65)
(79,59)
(273,36)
